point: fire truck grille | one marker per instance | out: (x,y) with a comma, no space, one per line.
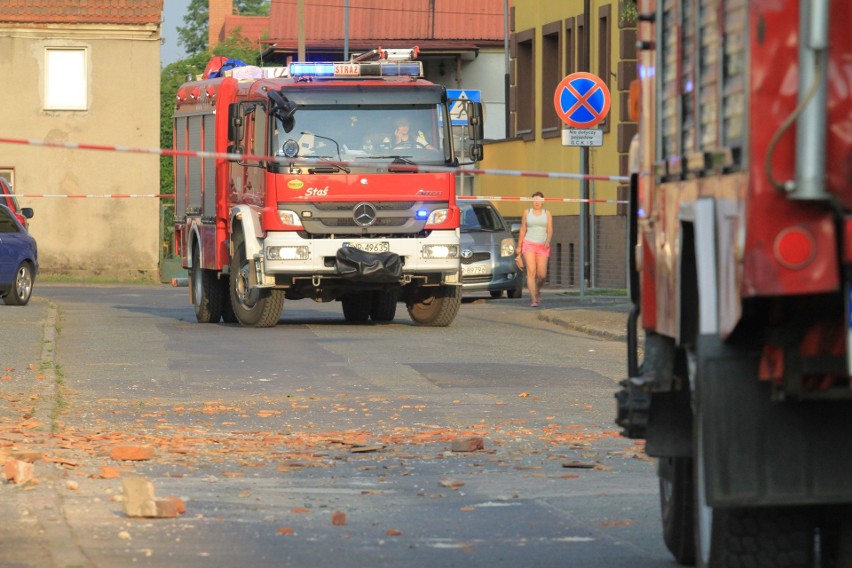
(363,218)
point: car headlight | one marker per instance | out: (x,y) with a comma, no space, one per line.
(289,217)
(438,216)
(507,247)
(440,251)
(287,253)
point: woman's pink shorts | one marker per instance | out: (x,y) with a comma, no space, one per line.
(538,249)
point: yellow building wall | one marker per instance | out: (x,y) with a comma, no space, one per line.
(548,155)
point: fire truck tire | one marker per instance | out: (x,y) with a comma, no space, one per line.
(357,306)
(770,537)
(836,539)
(438,310)
(253,307)
(676,505)
(207,291)
(228,315)
(384,305)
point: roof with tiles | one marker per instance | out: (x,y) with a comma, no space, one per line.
(130,12)
(376,20)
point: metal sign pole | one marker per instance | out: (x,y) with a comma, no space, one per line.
(584,194)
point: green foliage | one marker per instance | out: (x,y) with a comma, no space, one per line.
(629,12)
(252,7)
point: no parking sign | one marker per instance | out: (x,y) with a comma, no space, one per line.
(582,100)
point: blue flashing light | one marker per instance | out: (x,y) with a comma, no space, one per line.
(422,214)
(311,70)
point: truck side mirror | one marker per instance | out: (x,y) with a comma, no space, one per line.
(235,123)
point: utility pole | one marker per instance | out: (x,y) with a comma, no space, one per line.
(346,30)
(301,24)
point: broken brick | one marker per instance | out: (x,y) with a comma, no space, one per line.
(18,471)
(469,444)
(132,453)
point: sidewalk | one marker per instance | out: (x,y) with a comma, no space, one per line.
(603,316)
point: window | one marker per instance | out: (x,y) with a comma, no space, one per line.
(570,64)
(525,85)
(66,83)
(551,74)
(7,223)
(605,51)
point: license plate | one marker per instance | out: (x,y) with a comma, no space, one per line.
(374,246)
(473,269)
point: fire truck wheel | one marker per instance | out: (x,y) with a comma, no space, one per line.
(253,307)
(384,305)
(207,291)
(357,306)
(438,310)
(836,538)
(228,315)
(676,505)
(774,537)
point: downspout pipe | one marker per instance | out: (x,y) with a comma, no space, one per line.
(811,125)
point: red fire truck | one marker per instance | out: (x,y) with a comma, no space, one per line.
(742,274)
(326,191)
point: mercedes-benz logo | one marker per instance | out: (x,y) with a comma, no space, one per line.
(467,253)
(364,214)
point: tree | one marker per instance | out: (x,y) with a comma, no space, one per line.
(193,36)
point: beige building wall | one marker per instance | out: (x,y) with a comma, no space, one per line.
(102,238)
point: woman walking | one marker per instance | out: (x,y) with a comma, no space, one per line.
(534,245)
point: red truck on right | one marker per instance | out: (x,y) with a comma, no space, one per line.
(740,274)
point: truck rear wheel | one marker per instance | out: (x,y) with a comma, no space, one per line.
(437,310)
(676,505)
(772,537)
(384,305)
(253,307)
(208,293)
(357,306)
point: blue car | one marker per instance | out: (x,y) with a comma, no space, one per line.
(18,260)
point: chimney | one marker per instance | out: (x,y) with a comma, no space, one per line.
(218,10)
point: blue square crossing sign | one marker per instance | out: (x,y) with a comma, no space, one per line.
(457,116)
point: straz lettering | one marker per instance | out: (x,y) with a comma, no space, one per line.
(316,192)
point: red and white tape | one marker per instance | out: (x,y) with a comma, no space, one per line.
(231,156)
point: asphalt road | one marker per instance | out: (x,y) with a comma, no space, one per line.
(265,433)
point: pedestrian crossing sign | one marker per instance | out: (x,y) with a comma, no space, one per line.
(456,97)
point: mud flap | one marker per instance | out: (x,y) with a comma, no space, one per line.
(359,266)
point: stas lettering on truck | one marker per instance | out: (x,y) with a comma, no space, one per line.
(321,196)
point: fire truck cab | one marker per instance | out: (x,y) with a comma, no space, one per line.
(338,185)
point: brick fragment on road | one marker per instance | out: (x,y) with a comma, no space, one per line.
(18,471)
(132,453)
(468,444)
(139,500)
(338,518)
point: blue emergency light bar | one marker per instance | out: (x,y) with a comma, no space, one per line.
(369,69)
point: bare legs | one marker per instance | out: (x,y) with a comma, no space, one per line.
(536,268)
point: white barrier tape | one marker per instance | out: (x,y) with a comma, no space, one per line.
(104,196)
(548,199)
(243,157)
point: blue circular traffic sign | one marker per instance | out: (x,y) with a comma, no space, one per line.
(582,100)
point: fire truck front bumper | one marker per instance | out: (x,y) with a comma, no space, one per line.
(387,258)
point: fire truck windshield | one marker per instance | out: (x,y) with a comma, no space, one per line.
(416,134)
